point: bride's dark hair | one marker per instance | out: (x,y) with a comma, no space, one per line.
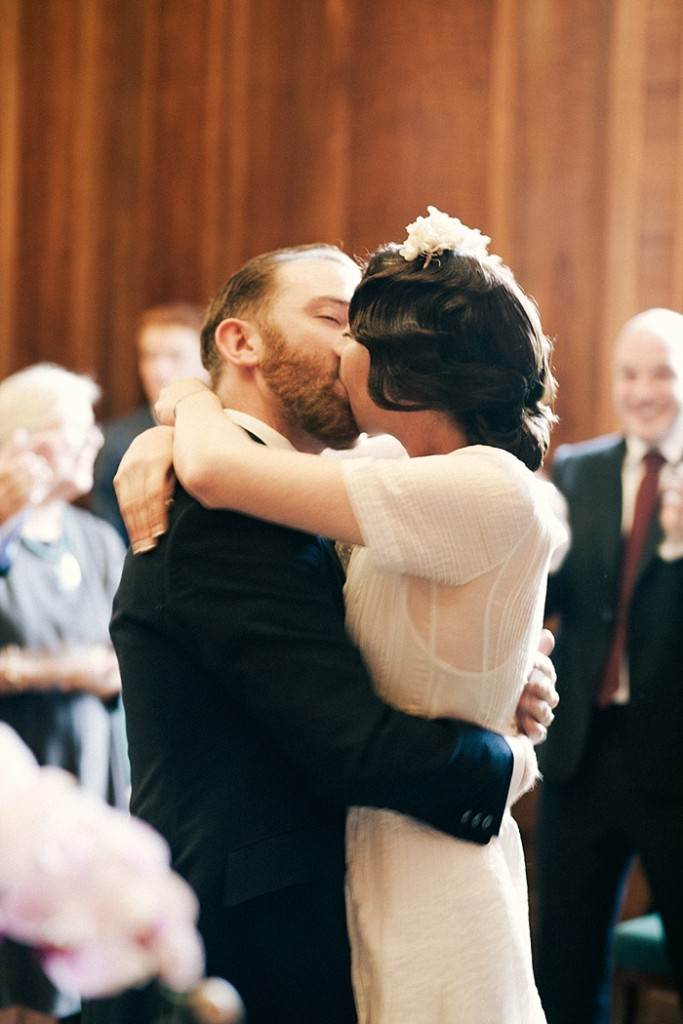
(457,334)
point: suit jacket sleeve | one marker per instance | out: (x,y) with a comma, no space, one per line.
(254,604)
(557,581)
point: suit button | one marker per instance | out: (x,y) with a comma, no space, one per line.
(466,817)
(476,820)
(487,822)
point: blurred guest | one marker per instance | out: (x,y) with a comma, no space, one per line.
(168,349)
(613,786)
(59,680)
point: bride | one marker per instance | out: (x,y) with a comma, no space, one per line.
(444,594)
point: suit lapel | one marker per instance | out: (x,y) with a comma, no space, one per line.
(330,557)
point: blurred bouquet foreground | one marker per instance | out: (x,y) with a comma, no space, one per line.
(91,890)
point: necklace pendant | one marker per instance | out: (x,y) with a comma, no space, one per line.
(69,571)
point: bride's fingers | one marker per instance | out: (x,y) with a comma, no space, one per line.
(150,508)
(538,709)
(159,502)
(542,679)
(546,643)
(535,709)
(536,732)
(540,687)
(132,492)
(164,411)
(131,506)
(164,407)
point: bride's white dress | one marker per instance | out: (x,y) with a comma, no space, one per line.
(445,601)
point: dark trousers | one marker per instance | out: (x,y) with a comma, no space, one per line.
(286,953)
(589,831)
(137,1006)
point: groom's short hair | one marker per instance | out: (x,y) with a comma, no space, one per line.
(249,291)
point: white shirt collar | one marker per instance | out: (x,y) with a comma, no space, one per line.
(671,447)
(270,437)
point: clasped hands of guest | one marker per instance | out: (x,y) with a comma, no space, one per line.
(25,473)
(672,504)
(88,668)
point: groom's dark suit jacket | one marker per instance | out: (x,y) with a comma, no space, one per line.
(252,724)
(584,592)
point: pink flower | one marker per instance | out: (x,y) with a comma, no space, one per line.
(90,887)
(18,767)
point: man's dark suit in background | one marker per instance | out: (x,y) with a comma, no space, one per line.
(613,784)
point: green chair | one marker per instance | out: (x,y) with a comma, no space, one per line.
(640,962)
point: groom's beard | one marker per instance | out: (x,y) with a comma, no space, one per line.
(305,388)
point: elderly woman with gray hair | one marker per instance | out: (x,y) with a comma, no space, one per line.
(59,680)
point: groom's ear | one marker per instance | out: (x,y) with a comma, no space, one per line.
(239,342)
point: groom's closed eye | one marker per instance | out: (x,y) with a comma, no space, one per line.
(331,308)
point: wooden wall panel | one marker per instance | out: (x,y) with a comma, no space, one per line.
(420,109)
(644,169)
(554,186)
(623,159)
(298,121)
(661,168)
(147,147)
(9,177)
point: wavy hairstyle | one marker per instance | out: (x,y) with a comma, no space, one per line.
(458,335)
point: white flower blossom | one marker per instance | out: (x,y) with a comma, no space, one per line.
(432,235)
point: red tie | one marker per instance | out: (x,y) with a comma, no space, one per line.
(646,504)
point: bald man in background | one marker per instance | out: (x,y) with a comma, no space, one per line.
(612,765)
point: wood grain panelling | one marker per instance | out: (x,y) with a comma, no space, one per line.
(661,171)
(623,157)
(149,146)
(420,111)
(556,190)
(9,174)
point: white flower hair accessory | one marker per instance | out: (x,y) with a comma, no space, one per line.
(430,236)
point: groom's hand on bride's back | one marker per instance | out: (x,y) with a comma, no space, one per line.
(539,696)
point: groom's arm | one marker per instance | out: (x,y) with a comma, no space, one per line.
(264,623)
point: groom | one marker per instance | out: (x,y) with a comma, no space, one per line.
(251,718)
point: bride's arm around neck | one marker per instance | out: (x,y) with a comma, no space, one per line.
(217,463)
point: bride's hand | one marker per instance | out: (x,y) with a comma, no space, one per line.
(144,484)
(164,409)
(539,696)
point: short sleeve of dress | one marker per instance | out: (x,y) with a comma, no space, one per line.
(447,518)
